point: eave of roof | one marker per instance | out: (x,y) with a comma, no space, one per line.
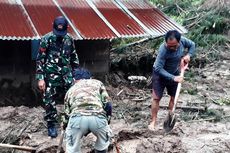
(88,19)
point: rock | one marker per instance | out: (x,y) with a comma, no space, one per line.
(137,78)
(226,110)
(215,107)
(199,87)
(16,84)
(5,85)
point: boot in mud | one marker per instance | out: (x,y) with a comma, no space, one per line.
(52,130)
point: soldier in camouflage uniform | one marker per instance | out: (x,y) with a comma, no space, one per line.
(57,59)
(89,110)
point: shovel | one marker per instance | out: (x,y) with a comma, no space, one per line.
(59,149)
(171,118)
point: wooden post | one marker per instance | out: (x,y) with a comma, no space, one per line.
(23,148)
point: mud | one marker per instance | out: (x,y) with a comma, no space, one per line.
(195,130)
(25,126)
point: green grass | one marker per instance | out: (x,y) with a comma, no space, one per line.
(223,101)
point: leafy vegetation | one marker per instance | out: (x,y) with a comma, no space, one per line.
(206,26)
(223,101)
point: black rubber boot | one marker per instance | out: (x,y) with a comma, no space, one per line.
(52,130)
(103,151)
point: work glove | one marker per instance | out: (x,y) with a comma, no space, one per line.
(64,119)
(108,109)
(64,126)
(109,119)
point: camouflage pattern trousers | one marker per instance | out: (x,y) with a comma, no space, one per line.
(56,88)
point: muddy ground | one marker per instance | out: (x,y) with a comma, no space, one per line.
(202,127)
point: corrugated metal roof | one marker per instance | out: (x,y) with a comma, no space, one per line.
(89,19)
(42,14)
(151,17)
(124,24)
(86,20)
(13,22)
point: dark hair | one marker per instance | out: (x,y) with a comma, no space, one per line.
(172,34)
(81,73)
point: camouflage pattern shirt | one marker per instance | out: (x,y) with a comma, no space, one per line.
(86,95)
(56,57)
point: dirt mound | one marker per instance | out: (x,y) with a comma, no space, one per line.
(172,145)
(52,149)
(130,131)
(131,116)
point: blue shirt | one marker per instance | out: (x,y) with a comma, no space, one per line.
(168,61)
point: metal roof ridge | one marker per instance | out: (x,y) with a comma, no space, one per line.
(145,28)
(91,4)
(18,38)
(182,28)
(29,19)
(67,18)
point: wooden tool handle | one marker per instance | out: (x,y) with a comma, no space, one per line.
(178,90)
(23,148)
(60,141)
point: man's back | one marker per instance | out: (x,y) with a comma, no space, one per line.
(86,94)
(87,109)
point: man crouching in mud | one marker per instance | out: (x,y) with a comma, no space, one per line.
(166,69)
(88,109)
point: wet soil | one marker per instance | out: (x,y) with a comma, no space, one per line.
(206,131)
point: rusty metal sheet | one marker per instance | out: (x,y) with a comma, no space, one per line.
(42,14)
(14,23)
(85,19)
(151,17)
(89,19)
(122,22)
